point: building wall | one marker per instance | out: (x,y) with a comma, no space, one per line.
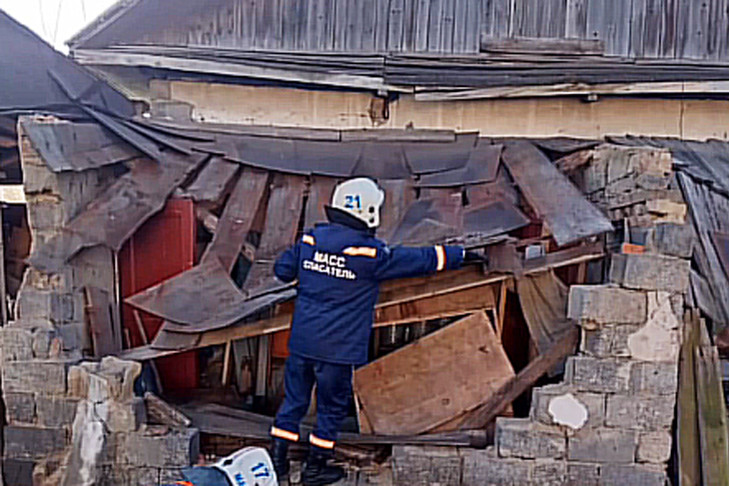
(532,117)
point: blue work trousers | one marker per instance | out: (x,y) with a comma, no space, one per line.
(333,392)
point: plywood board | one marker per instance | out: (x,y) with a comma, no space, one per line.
(433,380)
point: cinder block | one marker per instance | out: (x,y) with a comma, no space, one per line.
(650,272)
(598,375)
(172,449)
(542,397)
(655,447)
(479,469)
(633,475)
(56,411)
(674,239)
(654,378)
(547,472)
(640,412)
(16,343)
(19,408)
(605,445)
(583,474)
(608,341)
(33,442)
(113,378)
(31,376)
(123,417)
(426,465)
(603,304)
(518,437)
(45,304)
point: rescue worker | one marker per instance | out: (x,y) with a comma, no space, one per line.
(339,266)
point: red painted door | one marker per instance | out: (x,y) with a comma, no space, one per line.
(163,247)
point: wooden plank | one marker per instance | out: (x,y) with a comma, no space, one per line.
(472,27)
(435,23)
(282,224)
(427,383)
(531,45)
(210,222)
(553,22)
(711,413)
(421,25)
(262,366)
(494,403)
(3,289)
(501,312)
(687,429)
(368,16)
(382,14)
(438,307)
(654,28)
(237,218)
(408,26)
(395,25)
(212,181)
(638,28)
(98,311)
(320,194)
(569,216)
(576,19)
(447,27)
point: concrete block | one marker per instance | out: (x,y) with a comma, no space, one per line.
(633,475)
(605,445)
(149,448)
(45,304)
(123,417)
(654,378)
(674,239)
(113,378)
(519,437)
(655,447)
(650,272)
(608,341)
(598,375)
(116,475)
(17,472)
(16,343)
(547,472)
(19,408)
(31,376)
(640,412)
(479,469)
(542,397)
(603,304)
(33,442)
(56,411)
(583,474)
(426,465)
(659,340)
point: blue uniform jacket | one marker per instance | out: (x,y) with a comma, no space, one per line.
(339,270)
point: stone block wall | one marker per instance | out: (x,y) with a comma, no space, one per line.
(609,421)
(71,422)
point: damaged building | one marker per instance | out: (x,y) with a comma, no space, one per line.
(150,180)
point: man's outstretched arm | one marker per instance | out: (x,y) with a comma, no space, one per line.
(404,262)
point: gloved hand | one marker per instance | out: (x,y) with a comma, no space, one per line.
(473,257)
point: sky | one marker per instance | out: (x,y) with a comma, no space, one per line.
(56,21)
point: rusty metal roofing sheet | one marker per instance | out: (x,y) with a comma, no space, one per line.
(566,212)
(482,166)
(122,208)
(66,146)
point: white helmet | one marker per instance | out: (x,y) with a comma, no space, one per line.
(251,466)
(360,197)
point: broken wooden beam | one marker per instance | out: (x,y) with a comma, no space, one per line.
(210,222)
(507,393)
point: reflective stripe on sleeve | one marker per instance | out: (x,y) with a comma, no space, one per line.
(321,443)
(309,240)
(284,434)
(441,255)
(361,251)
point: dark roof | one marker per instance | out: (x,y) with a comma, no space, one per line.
(35,77)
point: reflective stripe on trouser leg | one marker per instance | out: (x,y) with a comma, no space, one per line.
(298,382)
(320,443)
(284,434)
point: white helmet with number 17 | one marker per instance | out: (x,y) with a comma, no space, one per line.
(361,198)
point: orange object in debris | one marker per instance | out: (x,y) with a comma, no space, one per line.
(163,247)
(280,344)
(631,249)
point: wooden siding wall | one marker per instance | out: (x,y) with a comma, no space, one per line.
(689,29)
(680,29)
(334,25)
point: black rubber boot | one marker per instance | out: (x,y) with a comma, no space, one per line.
(317,472)
(280,457)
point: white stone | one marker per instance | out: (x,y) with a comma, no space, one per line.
(659,340)
(567,410)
